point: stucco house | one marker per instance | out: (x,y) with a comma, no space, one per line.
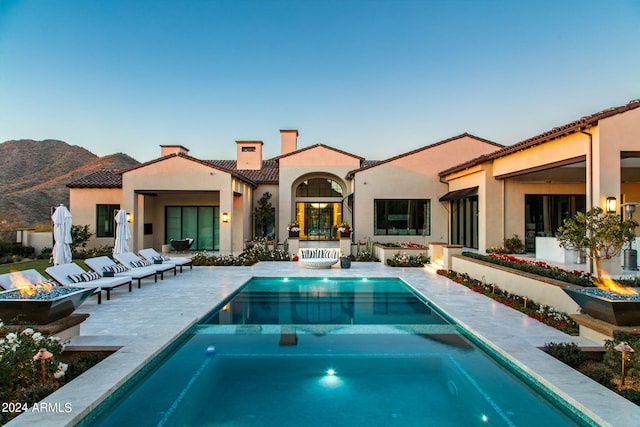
(212,201)
(464,190)
(529,188)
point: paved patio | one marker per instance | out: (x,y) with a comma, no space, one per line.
(145,321)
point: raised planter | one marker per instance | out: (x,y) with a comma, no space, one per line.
(383,253)
(543,290)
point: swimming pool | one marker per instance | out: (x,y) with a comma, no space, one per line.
(302,351)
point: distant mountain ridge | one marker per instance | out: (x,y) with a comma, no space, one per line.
(34,175)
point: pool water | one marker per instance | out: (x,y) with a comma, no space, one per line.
(339,352)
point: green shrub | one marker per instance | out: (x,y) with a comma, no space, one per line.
(599,373)
(568,353)
(514,245)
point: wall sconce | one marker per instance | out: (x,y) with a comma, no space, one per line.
(611,205)
(129,217)
(225,217)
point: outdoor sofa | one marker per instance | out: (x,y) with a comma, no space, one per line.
(319,258)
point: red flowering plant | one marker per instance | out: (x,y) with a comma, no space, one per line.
(542,313)
(541,268)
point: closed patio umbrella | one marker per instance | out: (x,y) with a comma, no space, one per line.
(61,235)
(123,234)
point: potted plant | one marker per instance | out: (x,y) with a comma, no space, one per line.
(344,229)
(293,228)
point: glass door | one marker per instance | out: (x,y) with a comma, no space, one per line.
(319,220)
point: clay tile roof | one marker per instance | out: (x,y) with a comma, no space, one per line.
(555,133)
(269,174)
(103,178)
(211,164)
(351,174)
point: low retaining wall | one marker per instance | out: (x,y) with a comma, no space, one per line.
(383,253)
(539,289)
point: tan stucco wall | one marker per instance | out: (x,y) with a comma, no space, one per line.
(603,174)
(275,203)
(82,205)
(414,176)
(312,163)
(178,175)
(562,149)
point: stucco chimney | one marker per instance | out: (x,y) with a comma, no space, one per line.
(249,155)
(289,139)
(173,149)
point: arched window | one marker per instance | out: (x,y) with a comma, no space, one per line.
(319,187)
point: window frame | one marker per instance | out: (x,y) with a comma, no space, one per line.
(413,216)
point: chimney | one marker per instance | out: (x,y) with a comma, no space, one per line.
(173,149)
(249,155)
(289,141)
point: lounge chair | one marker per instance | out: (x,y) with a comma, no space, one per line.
(181,245)
(152,255)
(132,260)
(73,275)
(105,265)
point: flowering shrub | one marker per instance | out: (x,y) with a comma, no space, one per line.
(293,226)
(404,260)
(541,268)
(364,255)
(20,374)
(406,245)
(257,252)
(344,227)
(542,313)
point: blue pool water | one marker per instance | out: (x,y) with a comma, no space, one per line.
(339,352)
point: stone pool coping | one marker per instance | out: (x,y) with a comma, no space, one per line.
(145,321)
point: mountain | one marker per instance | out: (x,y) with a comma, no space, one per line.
(34,175)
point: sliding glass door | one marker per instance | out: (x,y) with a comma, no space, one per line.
(200,223)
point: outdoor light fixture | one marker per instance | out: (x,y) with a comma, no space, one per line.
(612,205)
(225,217)
(129,217)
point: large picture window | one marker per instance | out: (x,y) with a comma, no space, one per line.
(410,217)
(105,220)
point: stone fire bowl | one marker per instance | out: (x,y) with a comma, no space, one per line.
(42,311)
(622,311)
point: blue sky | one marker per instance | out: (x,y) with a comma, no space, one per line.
(374,78)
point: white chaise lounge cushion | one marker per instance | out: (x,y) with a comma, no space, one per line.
(60,273)
(103,264)
(152,255)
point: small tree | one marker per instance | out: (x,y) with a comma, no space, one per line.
(80,235)
(596,235)
(263,212)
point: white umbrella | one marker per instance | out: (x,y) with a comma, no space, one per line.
(123,234)
(61,235)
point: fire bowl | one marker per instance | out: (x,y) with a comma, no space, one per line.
(44,307)
(617,309)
